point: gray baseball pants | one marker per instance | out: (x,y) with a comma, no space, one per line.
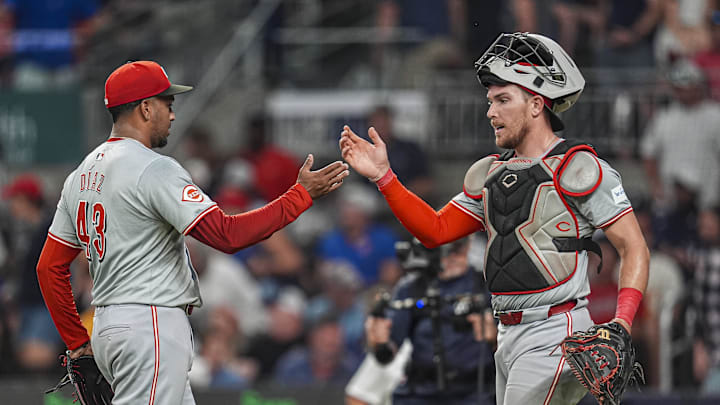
(531,369)
(145,352)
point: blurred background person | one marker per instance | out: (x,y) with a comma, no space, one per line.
(413,166)
(340,293)
(271,264)
(667,287)
(48,39)
(684,29)
(325,359)
(578,22)
(201,158)
(218,364)
(706,300)
(359,239)
(275,169)
(435,23)
(373,383)
(227,284)
(709,59)
(468,343)
(627,39)
(285,331)
(38,342)
(697,117)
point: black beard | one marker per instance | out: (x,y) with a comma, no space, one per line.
(159,142)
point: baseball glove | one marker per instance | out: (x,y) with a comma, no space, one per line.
(91,388)
(603,359)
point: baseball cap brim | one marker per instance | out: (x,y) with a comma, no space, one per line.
(488,79)
(175,89)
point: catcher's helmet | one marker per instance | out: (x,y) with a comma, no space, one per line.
(536,63)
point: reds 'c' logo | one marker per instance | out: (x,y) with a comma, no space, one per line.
(563,226)
(192,194)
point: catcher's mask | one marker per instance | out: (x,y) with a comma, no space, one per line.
(537,64)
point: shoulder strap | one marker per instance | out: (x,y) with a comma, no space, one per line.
(566,145)
(578,244)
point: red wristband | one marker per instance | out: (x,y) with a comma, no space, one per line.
(385,179)
(627,304)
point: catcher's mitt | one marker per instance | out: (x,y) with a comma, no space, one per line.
(603,359)
(91,388)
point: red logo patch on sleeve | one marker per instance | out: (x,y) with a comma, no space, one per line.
(192,194)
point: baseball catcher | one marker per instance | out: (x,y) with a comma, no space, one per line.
(91,388)
(539,201)
(603,359)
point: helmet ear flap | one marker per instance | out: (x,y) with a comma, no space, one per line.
(564,103)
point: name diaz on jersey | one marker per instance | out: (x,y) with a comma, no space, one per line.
(91,181)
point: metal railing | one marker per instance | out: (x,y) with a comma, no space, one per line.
(345,36)
(451,122)
(243,41)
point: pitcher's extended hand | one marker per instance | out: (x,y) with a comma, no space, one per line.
(368,159)
(322,181)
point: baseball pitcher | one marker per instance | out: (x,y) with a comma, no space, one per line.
(128,210)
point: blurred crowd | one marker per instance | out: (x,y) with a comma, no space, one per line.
(43,43)
(292,307)
(416,38)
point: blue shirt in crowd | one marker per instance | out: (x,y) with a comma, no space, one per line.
(379,245)
(44,29)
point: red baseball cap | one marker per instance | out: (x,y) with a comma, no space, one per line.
(26,185)
(138,80)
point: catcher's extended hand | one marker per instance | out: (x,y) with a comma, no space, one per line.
(91,388)
(603,359)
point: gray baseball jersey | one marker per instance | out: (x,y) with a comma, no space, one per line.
(599,209)
(528,368)
(129,209)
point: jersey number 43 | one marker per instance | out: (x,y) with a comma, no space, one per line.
(97,222)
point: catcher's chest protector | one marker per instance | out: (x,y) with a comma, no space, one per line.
(533,236)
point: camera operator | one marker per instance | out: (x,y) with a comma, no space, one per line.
(466,333)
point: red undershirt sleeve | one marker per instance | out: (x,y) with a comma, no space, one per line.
(53,271)
(430,227)
(230,233)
